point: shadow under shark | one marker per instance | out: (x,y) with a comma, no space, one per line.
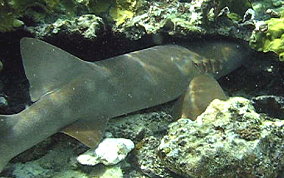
(79,97)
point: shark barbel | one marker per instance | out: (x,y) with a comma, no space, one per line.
(78,97)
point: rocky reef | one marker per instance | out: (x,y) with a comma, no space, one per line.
(228,140)
(132,18)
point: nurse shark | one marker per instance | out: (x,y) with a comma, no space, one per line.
(79,97)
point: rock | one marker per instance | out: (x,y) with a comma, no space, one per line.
(132,18)
(114,171)
(109,152)
(3,102)
(107,171)
(87,25)
(48,160)
(136,174)
(140,125)
(70,174)
(148,161)
(228,140)
(270,105)
(29,170)
(262,6)
(180,18)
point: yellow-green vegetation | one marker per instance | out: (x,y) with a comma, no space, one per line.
(123,9)
(117,10)
(271,39)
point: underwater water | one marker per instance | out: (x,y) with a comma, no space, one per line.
(141,88)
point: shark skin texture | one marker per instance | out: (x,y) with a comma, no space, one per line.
(79,97)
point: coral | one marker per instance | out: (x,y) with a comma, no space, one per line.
(133,18)
(181,18)
(270,37)
(109,152)
(87,25)
(51,12)
(174,17)
(228,140)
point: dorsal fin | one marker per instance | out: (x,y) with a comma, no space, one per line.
(201,91)
(48,67)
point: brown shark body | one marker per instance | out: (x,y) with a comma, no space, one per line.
(79,97)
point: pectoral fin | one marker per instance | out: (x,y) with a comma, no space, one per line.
(88,132)
(201,91)
(176,109)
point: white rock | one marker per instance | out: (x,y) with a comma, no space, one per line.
(109,152)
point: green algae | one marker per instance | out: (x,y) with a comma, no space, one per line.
(271,38)
(124,9)
(117,11)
